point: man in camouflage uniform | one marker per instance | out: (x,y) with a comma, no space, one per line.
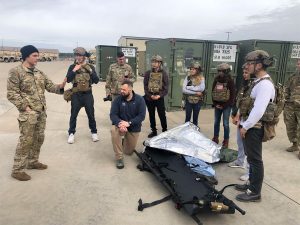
(292,109)
(117,73)
(25,89)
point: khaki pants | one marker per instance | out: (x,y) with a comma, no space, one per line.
(129,144)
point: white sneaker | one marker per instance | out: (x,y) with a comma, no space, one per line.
(71,139)
(95,137)
(244,177)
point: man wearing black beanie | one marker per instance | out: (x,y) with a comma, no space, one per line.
(27,51)
(26,87)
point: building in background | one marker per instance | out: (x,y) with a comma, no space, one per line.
(140,44)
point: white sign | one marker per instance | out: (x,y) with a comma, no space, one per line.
(129,52)
(295,52)
(224,53)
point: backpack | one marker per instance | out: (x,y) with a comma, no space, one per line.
(279,101)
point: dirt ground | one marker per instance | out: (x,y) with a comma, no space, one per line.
(83,187)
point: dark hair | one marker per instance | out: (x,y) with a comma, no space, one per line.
(120,54)
(128,82)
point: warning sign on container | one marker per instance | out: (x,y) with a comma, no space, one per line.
(129,52)
(295,52)
(224,53)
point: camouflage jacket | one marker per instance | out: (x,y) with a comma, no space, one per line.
(27,88)
(292,88)
(116,75)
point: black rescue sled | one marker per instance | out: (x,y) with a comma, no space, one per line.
(189,190)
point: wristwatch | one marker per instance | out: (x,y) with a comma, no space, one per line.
(129,123)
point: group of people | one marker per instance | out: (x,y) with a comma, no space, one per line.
(26,86)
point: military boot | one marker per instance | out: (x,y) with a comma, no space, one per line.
(152,134)
(21,176)
(215,139)
(293,148)
(225,143)
(37,166)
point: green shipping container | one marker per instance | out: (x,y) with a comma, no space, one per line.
(179,53)
(284,53)
(106,55)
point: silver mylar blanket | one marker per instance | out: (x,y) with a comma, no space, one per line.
(187,139)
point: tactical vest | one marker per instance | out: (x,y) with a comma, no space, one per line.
(246,104)
(82,78)
(193,99)
(155,83)
(221,92)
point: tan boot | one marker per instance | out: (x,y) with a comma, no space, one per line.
(21,176)
(37,166)
(293,148)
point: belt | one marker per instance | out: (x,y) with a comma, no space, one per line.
(83,92)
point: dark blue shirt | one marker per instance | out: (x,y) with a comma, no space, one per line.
(71,75)
(133,111)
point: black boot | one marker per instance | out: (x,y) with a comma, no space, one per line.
(152,134)
(248,196)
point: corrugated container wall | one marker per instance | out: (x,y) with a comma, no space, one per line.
(178,55)
(284,53)
(106,55)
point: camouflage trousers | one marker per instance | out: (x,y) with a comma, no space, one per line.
(32,133)
(292,123)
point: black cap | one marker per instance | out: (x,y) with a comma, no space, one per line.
(28,50)
(120,54)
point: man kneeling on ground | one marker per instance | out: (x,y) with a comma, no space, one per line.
(127,114)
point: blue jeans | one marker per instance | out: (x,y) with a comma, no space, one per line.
(192,108)
(241,152)
(218,114)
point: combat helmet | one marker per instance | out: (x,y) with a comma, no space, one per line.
(224,67)
(259,56)
(157,58)
(81,51)
(196,65)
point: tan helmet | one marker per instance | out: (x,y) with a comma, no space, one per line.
(224,66)
(196,65)
(259,56)
(157,58)
(80,51)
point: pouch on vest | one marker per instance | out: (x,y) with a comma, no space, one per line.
(82,81)
(155,82)
(194,99)
(68,94)
(221,93)
(269,132)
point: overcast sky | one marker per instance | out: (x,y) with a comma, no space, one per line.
(63,24)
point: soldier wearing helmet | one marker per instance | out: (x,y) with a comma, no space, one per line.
(82,75)
(223,96)
(117,73)
(292,109)
(261,93)
(156,88)
(193,88)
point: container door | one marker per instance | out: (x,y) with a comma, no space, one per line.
(184,53)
